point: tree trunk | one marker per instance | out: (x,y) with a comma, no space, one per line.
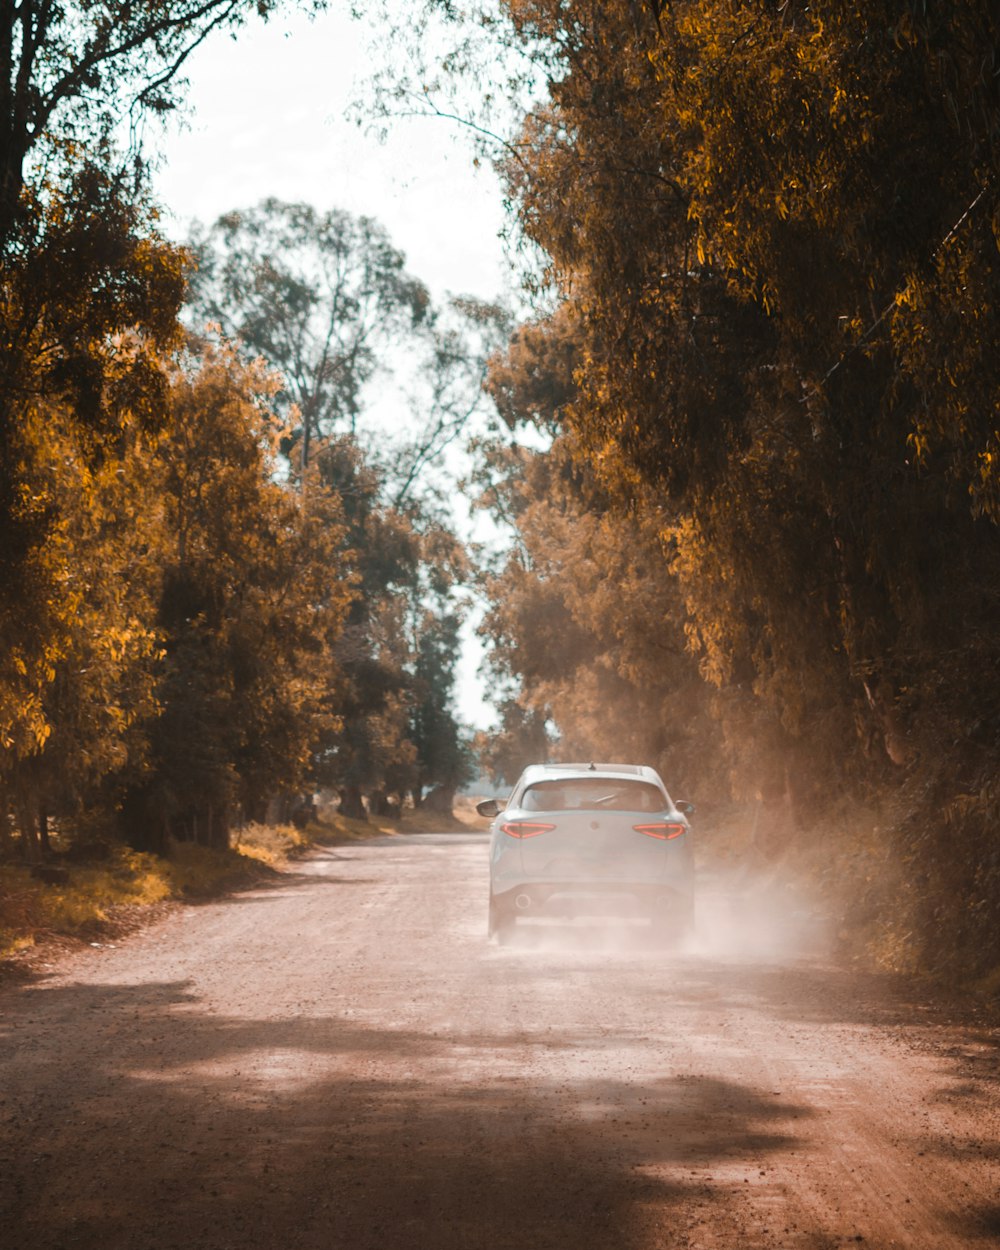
(6,841)
(440,799)
(26,823)
(43,831)
(220,829)
(352,804)
(255,810)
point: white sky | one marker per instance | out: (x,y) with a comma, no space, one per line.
(267,116)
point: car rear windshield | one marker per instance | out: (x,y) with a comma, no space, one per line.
(587,793)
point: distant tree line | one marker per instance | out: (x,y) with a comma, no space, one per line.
(214,591)
(763,550)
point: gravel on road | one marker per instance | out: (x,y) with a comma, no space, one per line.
(341,1059)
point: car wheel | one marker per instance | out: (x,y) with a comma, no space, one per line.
(501,921)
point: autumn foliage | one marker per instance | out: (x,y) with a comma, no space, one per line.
(214,597)
(774,236)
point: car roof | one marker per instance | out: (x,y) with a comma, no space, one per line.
(538,772)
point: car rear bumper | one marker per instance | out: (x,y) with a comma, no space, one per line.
(574,897)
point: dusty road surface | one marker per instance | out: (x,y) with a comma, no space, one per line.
(341,1060)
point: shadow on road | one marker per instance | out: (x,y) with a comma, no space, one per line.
(135,1117)
(183,1128)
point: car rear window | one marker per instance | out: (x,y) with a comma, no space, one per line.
(586,793)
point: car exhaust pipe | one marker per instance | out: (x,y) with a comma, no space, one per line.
(522,902)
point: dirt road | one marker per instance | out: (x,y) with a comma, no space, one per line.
(341,1060)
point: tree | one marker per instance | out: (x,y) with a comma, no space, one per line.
(83,270)
(396,732)
(87,315)
(99,646)
(322,297)
(587,619)
(251,606)
(522,738)
(326,299)
(447,393)
(776,230)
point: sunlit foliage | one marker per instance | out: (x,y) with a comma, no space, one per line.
(89,297)
(585,613)
(775,228)
(327,300)
(174,596)
(252,598)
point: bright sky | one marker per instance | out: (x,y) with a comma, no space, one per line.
(268,117)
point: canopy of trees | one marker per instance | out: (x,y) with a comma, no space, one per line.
(211,592)
(773,230)
(326,298)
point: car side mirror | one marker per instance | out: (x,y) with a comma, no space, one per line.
(488,808)
(684,807)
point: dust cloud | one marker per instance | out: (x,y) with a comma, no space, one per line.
(739,917)
(759,916)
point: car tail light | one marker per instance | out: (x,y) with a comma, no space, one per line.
(525,828)
(665,830)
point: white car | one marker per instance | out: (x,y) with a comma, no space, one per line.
(575,836)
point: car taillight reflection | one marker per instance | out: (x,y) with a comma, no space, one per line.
(665,830)
(525,828)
